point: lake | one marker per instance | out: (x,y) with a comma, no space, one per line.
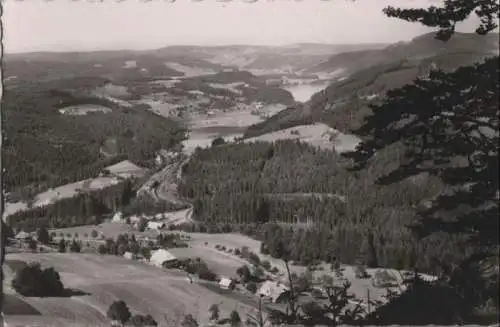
(304,92)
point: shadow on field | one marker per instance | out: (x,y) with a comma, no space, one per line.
(15,265)
(13,305)
(69,292)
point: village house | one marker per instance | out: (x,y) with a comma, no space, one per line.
(275,291)
(155,225)
(129,255)
(23,236)
(125,169)
(226,283)
(162,257)
(117,217)
(144,240)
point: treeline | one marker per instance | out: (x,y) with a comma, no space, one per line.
(82,209)
(147,205)
(321,209)
(43,148)
(257,91)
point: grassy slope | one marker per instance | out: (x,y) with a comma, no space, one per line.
(146,289)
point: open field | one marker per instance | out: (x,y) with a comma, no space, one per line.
(189,71)
(83,109)
(146,289)
(214,259)
(224,263)
(318,134)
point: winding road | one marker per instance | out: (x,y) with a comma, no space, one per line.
(162,186)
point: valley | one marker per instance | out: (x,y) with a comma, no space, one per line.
(233,163)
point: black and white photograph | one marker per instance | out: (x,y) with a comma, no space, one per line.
(249,163)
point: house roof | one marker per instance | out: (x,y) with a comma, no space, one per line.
(125,168)
(22,234)
(160,256)
(155,224)
(272,289)
(225,282)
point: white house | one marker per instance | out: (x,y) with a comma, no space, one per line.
(273,290)
(117,217)
(22,236)
(128,255)
(161,257)
(156,225)
(226,283)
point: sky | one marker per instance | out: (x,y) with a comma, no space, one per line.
(85,25)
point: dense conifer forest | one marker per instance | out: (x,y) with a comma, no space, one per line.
(44,148)
(308,198)
(81,209)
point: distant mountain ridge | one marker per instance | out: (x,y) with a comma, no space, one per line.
(420,47)
(298,56)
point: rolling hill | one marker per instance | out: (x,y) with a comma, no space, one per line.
(419,48)
(151,63)
(368,74)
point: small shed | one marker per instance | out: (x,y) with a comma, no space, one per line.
(226,283)
(161,257)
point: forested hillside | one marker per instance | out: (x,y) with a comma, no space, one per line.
(44,148)
(333,210)
(421,47)
(345,103)
(82,209)
(250,88)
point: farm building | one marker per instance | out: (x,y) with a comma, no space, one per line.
(161,257)
(125,169)
(273,290)
(129,255)
(23,236)
(384,279)
(226,283)
(117,217)
(156,225)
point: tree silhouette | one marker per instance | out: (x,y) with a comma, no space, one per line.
(214,312)
(75,246)
(189,321)
(283,253)
(43,235)
(119,311)
(234,318)
(218,141)
(32,280)
(448,125)
(447,16)
(141,321)
(62,246)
